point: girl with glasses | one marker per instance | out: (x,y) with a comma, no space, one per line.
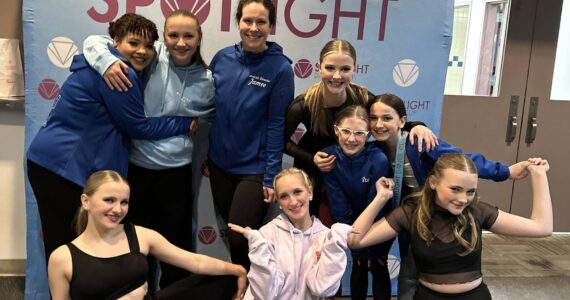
(316,109)
(350,187)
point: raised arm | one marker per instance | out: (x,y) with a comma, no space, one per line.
(59,273)
(113,70)
(365,233)
(265,279)
(162,249)
(423,134)
(540,222)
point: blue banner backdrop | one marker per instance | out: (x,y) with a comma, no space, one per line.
(402,45)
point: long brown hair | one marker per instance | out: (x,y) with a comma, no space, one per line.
(427,197)
(314,96)
(94,182)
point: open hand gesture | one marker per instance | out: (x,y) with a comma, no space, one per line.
(237,228)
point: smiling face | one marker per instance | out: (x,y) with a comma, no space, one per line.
(108,205)
(352,133)
(293,197)
(337,70)
(254,27)
(137,49)
(455,190)
(182,38)
(385,123)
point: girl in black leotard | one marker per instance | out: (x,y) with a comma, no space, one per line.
(108,259)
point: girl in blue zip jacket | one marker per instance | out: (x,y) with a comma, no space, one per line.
(388,115)
(90,128)
(350,187)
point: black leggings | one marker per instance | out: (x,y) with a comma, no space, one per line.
(381,285)
(239,200)
(58,200)
(162,200)
(479,293)
(200,287)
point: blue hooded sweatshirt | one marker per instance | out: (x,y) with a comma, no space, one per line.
(253,92)
(351,186)
(423,162)
(170,90)
(90,126)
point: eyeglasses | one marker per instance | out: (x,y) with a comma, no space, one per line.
(347,132)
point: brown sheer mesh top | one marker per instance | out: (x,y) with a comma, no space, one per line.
(440,262)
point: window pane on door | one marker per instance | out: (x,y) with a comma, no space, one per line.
(477,48)
(560,86)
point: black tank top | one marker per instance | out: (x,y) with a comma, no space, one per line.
(100,278)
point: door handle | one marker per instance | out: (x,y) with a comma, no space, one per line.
(531,130)
(512,129)
(512,121)
(532,124)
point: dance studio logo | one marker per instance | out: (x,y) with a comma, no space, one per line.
(200,8)
(303,68)
(207,235)
(48,89)
(60,51)
(405,73)
(393,266)
(298,134)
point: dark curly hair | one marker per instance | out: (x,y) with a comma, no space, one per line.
(133,24)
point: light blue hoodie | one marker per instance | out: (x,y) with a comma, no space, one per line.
(170,91)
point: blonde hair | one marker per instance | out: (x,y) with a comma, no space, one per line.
(426,203)
(293,171)
(314,96)
(356,111)
(94,182)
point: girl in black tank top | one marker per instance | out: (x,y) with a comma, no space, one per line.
(108,259)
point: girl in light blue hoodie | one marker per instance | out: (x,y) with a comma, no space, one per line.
(177,83)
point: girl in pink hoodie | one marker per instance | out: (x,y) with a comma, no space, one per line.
(295,256)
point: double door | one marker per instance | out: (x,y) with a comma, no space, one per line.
(523,121)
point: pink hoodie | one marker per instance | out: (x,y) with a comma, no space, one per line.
(287,263)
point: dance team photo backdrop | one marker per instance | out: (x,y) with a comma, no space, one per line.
(402,48)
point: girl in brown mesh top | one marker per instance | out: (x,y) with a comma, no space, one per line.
(445,221)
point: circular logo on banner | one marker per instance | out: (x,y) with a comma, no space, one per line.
(393,266)
(207,235)
(200,8)
(60,51)
(48,89)
(405,73)
(303,68)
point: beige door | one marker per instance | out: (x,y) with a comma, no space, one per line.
(482,124)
